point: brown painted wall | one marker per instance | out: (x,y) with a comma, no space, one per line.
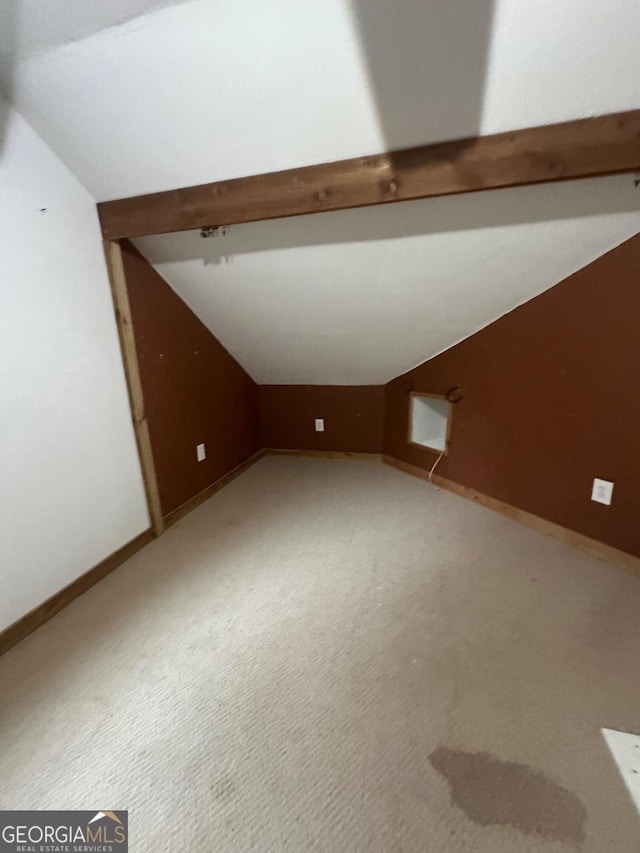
(194,390)
(353,415)
(551,400)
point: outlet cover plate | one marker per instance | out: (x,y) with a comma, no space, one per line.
(319,424)
(201,452)
(602,491)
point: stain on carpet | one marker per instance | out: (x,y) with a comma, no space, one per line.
(490,791)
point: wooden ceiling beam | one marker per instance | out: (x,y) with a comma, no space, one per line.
(605,145)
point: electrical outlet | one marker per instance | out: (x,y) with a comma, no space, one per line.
(201,452)
(319,424)
(602,491)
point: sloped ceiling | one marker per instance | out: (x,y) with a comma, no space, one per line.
(29,27)
(360,296)
(206,90)
(211,89)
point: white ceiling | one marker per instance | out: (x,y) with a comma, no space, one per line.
(360,296)
(201,90)
(30,26)
(206,90)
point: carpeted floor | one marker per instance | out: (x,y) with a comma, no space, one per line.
(333,656)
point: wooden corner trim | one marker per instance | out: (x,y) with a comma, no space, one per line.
(126,335)
(542,525)
(41,614)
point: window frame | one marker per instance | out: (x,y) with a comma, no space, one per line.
(412,396)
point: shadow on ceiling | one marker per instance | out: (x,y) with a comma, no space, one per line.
(495,208)
(427,67)
(426,63)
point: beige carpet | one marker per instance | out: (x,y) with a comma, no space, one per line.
(333,656)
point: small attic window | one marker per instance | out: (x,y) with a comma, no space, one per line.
(429,420)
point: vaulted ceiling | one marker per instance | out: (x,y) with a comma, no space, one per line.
(28,27)
(360,296)
(149,95)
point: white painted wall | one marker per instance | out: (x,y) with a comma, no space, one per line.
(71,491)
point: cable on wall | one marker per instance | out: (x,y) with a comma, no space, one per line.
(433,467)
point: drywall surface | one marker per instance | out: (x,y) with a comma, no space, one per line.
(357,297)
(203,90)
(31,27)
(194,391)
(548,403)
(353,417)
(72,492)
